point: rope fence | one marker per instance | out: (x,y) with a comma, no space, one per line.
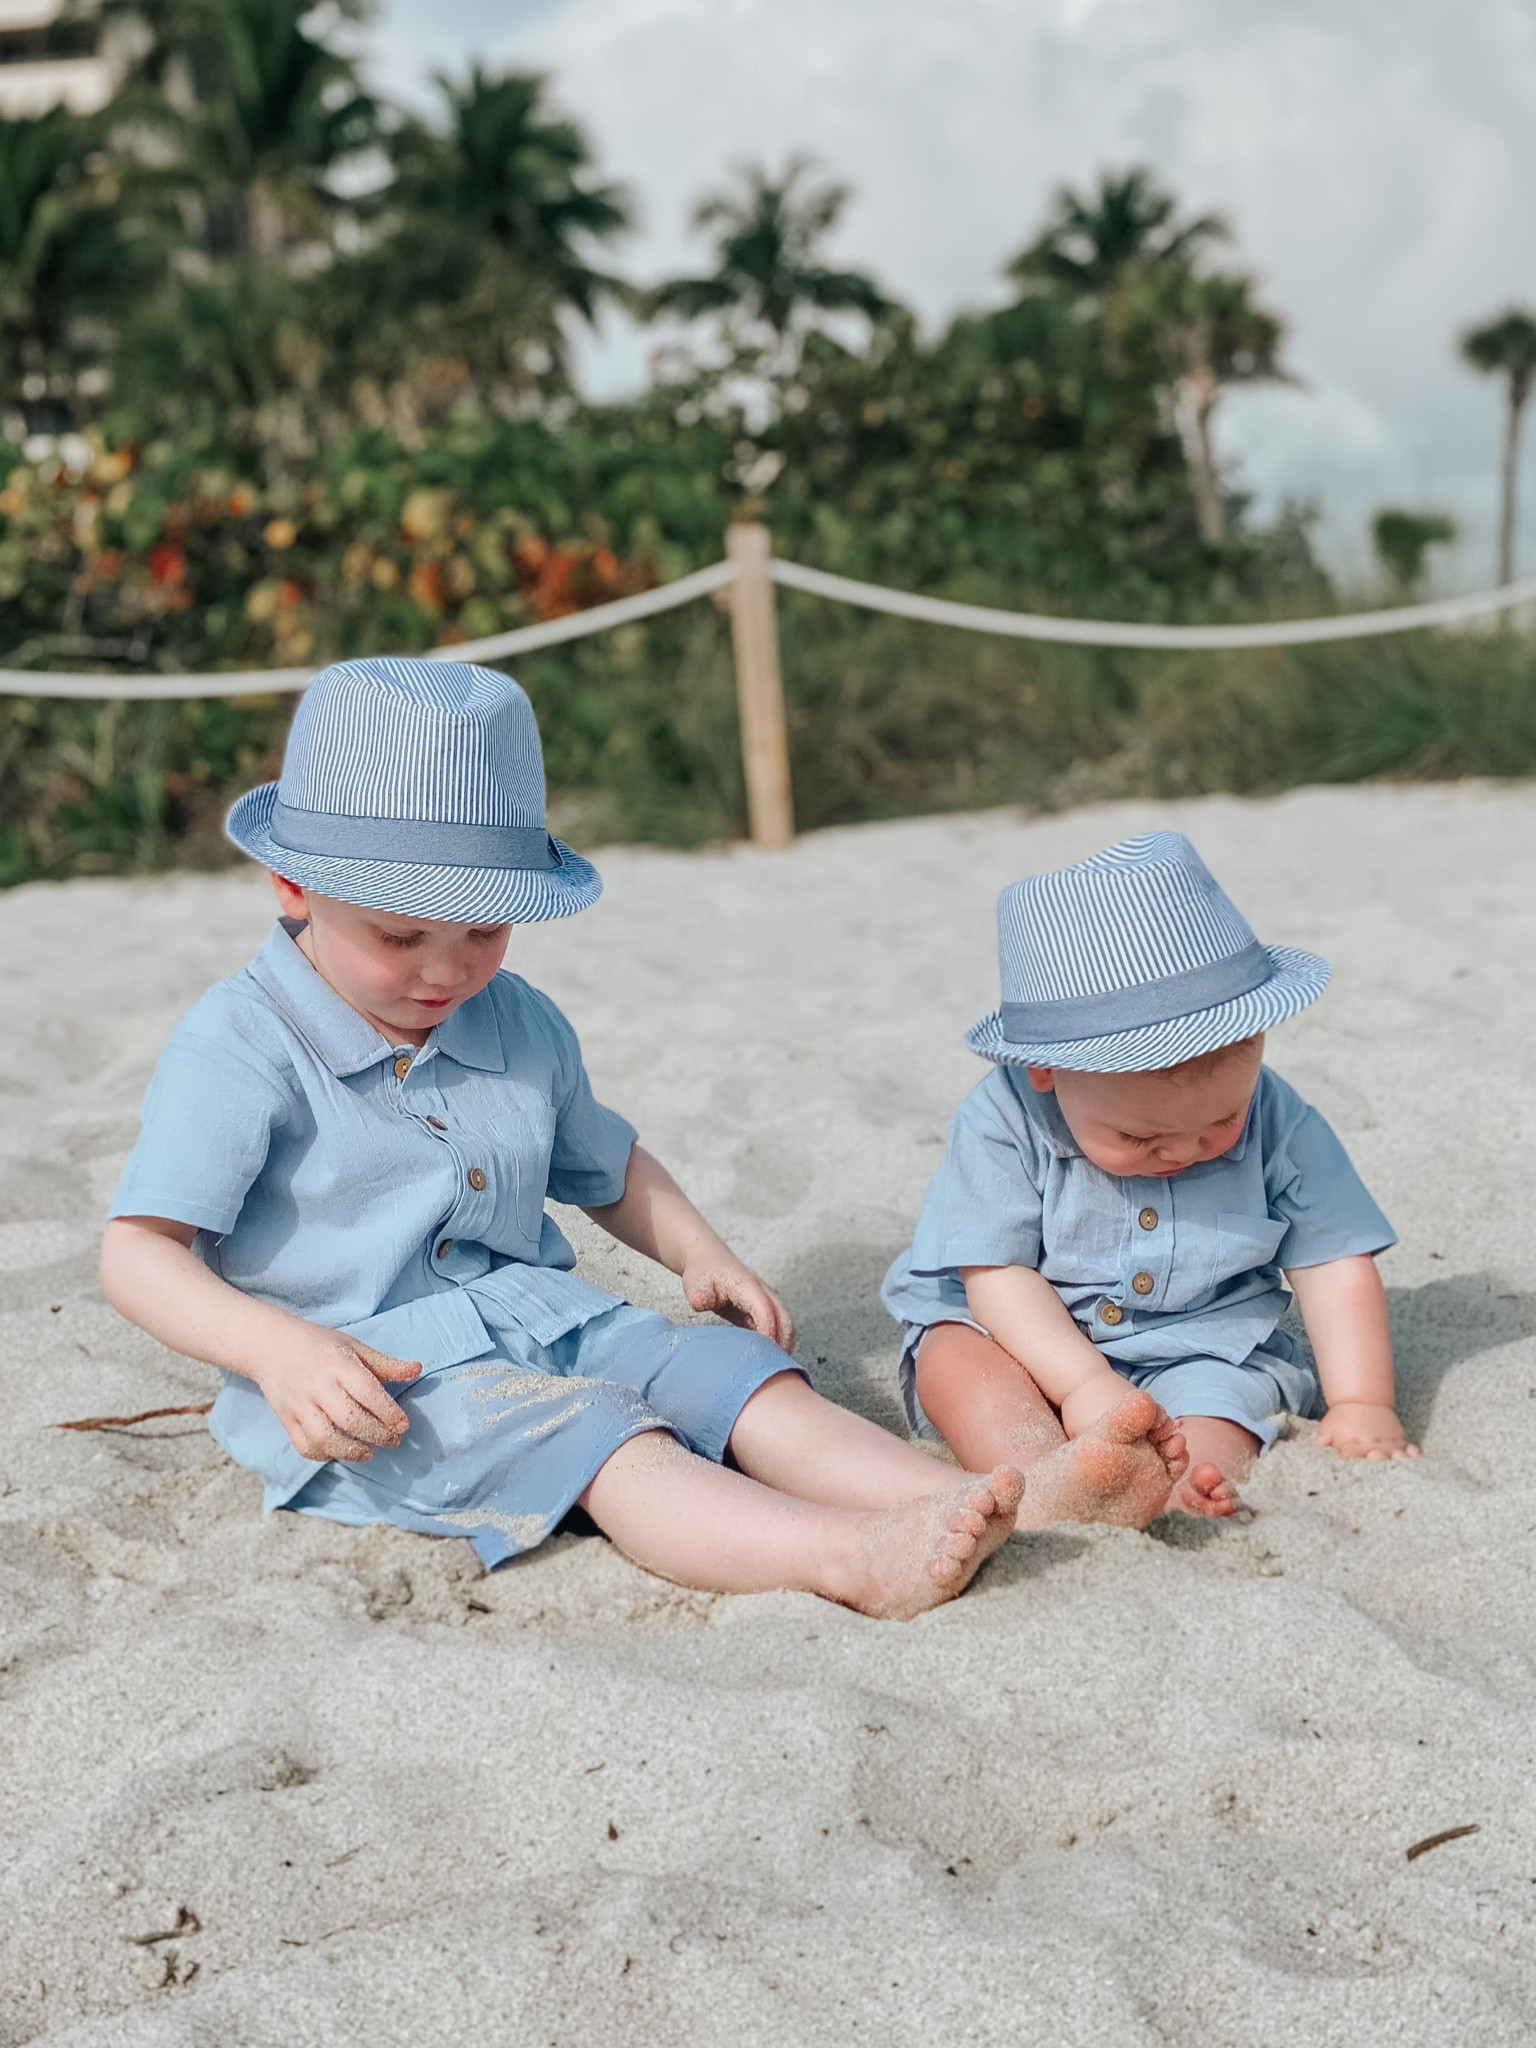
(749,572)
(977,618)
(266,682)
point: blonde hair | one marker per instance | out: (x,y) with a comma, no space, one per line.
(1204,1064)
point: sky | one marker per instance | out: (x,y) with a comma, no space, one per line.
(1376,163)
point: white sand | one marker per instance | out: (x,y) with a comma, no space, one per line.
(1131,1790)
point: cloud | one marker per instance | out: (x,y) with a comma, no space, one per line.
(1375,163)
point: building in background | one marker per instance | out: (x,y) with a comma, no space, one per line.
(48,59)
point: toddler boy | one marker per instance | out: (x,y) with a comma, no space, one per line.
(1122,1195)
(338,1198)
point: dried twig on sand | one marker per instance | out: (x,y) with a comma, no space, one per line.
(1445,1835)
(125,1421)
(187,1922)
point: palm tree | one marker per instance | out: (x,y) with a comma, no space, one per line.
(262,109)
(1402,540)
(1208,333)
(491,224)
(65,254)
(517,180)
(480,250)
(1125,255)
(768,270)
(1090,246)
(1506,347)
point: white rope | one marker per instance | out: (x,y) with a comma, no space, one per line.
(905,604)
(252,682)
(976,618)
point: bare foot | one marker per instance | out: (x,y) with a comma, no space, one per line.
(1220,1454)
(1121,1469)
(1207,1491)
(918,1556)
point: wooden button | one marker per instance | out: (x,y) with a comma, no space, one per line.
(1111,1312)
(437,1123)
(1148,1219)
(445,1248)
(477,1178)
(1143,1283)
(402,1067)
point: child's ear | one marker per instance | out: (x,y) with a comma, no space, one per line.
(1042,1079)
(290,897)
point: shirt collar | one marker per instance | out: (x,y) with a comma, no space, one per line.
(1250,1123)
(470,1035)
(1044,1112)
(348,1043)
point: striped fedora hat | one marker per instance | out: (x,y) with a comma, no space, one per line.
(418,787)
(1133,960)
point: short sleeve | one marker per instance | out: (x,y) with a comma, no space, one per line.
(205,1129)
(590,1158)
(1313,1188)
(985,1204)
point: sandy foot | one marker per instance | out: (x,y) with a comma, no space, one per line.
(918,1556)
(1121,1470)
(1206,1490)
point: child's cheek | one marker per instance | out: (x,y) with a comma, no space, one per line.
(1106,1152)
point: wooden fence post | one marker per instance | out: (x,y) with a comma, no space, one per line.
(759,688)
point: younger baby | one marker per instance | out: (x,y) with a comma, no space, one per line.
(1123,1193)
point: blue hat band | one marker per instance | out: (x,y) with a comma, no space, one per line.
(1132,1009)
(423,841)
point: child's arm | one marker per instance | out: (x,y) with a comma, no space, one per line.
(1022,1311)
(323,1387)
(1344,1307)
(654,1217)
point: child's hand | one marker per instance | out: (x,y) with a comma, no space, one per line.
(727,1288)
(324,1389)
(1360,1429)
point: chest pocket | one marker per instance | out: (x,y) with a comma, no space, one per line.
(521,1131)
(1243,1244)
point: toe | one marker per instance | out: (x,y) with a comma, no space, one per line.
(1006,1487)
(1207,1491)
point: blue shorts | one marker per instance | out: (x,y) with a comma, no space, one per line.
(1256,1395)
(500,1449)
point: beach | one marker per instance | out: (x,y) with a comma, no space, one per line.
(270,1781)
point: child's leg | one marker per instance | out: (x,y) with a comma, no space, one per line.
(793,1439)
(699,1525)
(989,1411)
(1220,1454)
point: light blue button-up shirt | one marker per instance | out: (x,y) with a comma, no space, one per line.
(1187,1266)
(392,1192)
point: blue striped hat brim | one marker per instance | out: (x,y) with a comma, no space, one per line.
(453,895)
(1296,979)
